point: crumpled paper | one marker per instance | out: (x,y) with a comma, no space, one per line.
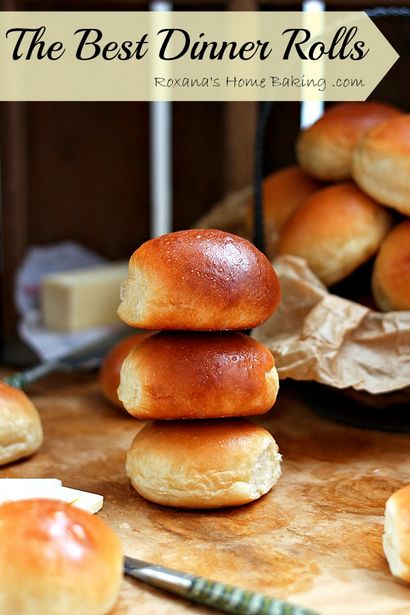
(315,335)
(318,336)
(229,214)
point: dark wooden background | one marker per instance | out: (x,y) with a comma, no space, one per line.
(81,170)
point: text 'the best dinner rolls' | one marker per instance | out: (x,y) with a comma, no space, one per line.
(198,375)
(338,229)
(111,367)
(324,150)
(203,464)
(391,272)
(199,280)
(396,538)
(283,192)
(56,559)
(21,433)
(381,163)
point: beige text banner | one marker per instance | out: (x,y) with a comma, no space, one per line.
(190,56)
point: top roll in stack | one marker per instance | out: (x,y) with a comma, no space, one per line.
(199,288)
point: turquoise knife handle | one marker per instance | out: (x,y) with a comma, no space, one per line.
(240,601)
(22,380)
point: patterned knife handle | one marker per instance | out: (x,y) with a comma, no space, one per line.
(240,601)
(22,380)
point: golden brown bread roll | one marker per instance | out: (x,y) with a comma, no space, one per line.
(391,272)
(325,149)
(111,366)
(56,559)
(381,163)
(21,433)
(283,192)
(198,375)
(335,231)
(203,464)
(396,538)
(199,280)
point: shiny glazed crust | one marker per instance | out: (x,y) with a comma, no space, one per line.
(324,150)
(198,375)
(199,280)
(21,433)
(203,464)
(381,163)
(335,231)
(56,559)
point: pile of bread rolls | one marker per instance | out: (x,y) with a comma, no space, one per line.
(348,200)
(199,289)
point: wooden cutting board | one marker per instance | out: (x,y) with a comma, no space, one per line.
(315,539)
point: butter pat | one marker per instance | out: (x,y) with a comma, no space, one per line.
(91,502)
(20,483)
(77,300)
(51,489)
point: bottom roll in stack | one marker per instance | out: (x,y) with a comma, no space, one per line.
(193,464)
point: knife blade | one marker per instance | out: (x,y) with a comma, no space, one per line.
(87,357)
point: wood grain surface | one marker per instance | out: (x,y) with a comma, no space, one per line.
(314,539)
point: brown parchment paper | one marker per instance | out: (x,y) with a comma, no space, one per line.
(315,335)
(318,336)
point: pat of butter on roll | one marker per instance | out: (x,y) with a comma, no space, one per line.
(12,489)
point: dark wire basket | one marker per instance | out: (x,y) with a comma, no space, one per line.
(386,411)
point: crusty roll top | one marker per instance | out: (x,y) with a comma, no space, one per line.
(335,231)
(381,163)
(325,149)
(391,136)
(56,558)
(199,280)
(198,375)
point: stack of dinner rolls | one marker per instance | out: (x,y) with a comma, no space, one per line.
(348,200)
(199,289)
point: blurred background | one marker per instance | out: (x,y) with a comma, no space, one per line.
(84,171)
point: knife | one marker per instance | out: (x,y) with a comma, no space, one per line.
(226,598)
(87,357)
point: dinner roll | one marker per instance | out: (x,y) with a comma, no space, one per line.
(391,272)
(325,149)
(381,163)
(335,231)
(203,464)
(198,375)
(111,366)
(56,559)
(21,433)
(200,280)
(396,538)
(283,192)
